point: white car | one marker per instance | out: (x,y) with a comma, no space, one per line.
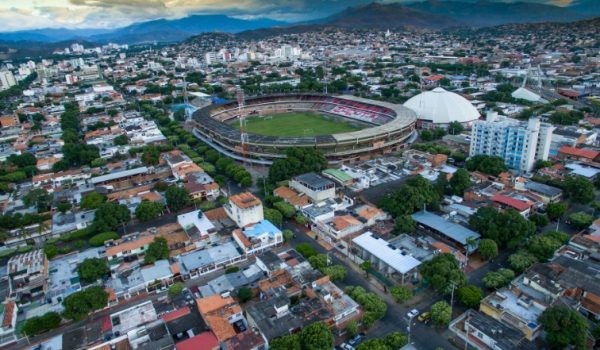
(413,313)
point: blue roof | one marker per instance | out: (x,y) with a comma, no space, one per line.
(454,231)
(261,228)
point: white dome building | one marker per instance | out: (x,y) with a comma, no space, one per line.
(438,107)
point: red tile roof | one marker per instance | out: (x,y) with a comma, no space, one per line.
(176,314)
(511,202)
(203,341)
(579,152)
(9,309)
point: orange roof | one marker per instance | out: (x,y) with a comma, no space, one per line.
(150,196)
(368,212)
(111,294)
(579,152)
(9,309)
(512,202)
(187,168)
(285,192)
(342,222)
(212,303)
(216,214)
(245,200)
(221,327)
(175,269)
(242,237)
(291,196)
(8,120)
(173,315)
(130,245)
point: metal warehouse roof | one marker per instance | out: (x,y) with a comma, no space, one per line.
(386,252)
(454,231)
(118,175)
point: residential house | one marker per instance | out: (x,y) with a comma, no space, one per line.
(244,209)
(316,187)
(223,315)
(255,238)
(28,275)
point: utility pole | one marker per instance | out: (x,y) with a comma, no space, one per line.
(408,328)
(453,284)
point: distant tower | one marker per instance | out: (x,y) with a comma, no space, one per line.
(241,100)
(388,33)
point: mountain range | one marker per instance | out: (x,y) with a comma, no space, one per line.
(429,14)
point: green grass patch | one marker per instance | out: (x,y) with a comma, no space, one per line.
(297,124)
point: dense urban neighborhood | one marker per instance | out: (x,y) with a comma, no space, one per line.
(340,189)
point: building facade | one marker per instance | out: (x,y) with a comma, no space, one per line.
(519,144)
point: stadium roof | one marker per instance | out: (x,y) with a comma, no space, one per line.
(449,229)
(386,252)
(442,107)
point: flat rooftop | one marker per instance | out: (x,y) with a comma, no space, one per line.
(396,258)
(449,229)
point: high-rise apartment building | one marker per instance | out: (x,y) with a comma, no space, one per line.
(519,143)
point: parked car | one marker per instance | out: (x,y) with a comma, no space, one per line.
(413,313)
(356,340)
(424,317)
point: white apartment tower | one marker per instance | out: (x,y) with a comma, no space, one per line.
(519,143)
(7,79)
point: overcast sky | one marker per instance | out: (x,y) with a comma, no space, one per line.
(29,14)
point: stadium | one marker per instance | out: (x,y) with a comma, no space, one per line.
(345,129)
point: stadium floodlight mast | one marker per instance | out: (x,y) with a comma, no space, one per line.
(241,100)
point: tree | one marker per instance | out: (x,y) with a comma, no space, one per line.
(396,340)
(92,200)
(22,160)
(300,219)
(540,220)
(91,269)
(579,189)
(274,216)
(564,327)
(316,336)
(544,246)
(286,342)
(374,307)
(150,155)
(498,279)
(40,324)
(177,198)
(460,181)
(414,193)
(318,261)
(175,289)
(244,294)
(306,250)
(157,250)
(470,296)
(352,328)
(441,314)
(404,224)
(63,207)
(373,344)
(298,161)
(148,211)
(521,260)
(556,210)
(442,272)
(99,239)
(491,165)
(507,228)
(110,215)
(581,220)
(401,294)
(365,266)
(488,249)
(335,272)
(455,128)
(287,235)
(39,198)
(80,304)
(287,210)
(121,140)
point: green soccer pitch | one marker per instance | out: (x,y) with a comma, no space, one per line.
(297,124)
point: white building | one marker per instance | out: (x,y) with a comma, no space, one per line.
(196,220)
(519,143)
(244,209)
(7,79)
(258,237)
(439,108)
(314,186)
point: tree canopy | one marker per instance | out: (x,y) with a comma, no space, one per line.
(411,196)
(507,228)
(543,246)
(148,211)
(92,269)
(92,200)
(110,215)
(177,198)
(491,165)
(521,260)
(442,271)
(499,278)
(441,314)
(459,182)
(579,189)
(298,161)
(40,324)
(157,250)
(488,249)
(470,296)
(80,304)
(374,307)
(564,327)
